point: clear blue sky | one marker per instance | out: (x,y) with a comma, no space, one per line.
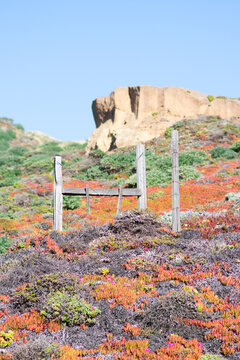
(56,56)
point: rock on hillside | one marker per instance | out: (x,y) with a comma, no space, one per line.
(131,115)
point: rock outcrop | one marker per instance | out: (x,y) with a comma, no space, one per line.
(131,115)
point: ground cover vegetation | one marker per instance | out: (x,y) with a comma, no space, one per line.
(123,287)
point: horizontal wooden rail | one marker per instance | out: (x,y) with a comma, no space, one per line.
(101,192)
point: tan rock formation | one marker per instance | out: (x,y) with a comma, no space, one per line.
(132,115)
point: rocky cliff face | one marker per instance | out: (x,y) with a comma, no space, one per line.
(131,115)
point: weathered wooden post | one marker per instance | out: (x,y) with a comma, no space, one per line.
(119,199)
(57,194)
(175,183)
(141,176)
(87,199)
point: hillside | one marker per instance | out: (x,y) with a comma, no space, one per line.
(125,287)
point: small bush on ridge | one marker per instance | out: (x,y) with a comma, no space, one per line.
(71,202)
(236,146)
(69,309)
(5,244)
(223,152)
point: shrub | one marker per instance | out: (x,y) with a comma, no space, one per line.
(9,181)
(193,157)
(211,357)
(221,97)
(210,98)
(168,133)
(73,161)
(94,172)
(7,135)
(36,292)
(131,181)
(19,126)
(97,154)
(7,215)
(9,176)
(18,150)
(154,161)
(69,309)
(6,338)
(71,202)
(75,146)
(5,244)
(178,125)
(51,148)
(58,297)
(236,146)
(121,162)
(4,145)
(188,173)
(158,177)
(38,349)
(38,163)
(222,152)
(5,172)
(231,129)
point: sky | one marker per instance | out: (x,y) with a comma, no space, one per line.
(57,56)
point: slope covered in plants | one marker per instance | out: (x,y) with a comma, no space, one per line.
(125,287)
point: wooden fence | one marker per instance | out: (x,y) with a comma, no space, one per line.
(140,191)
(59,190)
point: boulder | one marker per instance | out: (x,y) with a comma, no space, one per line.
(131,115)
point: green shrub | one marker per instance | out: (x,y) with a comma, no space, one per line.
(236,146)
(97,154)
(178,125)
(71,202)
(7,135)
(231,129)
(211,357)
(210,98)
(69,309)
(188,173)
(4,145)
(6,338)
(168,133)
(8,173)
(9,181)
(193,157)
(5,244)
(74,146)
(51,148)
(221,97)
(19,126)
(158,177)
(159,162)
(73,161)
(58,297)
(18,150)
(9,176)
(222,152)
(7,215)
(38,163)
(95,172)
(121,162)
(10,160)
(131,181)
